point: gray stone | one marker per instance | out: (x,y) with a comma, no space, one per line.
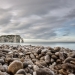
(44,71)
(21,71)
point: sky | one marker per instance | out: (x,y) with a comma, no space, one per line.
(38,20)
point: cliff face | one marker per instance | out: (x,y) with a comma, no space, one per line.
(11,38)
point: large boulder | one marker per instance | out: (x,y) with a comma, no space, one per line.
(15,66)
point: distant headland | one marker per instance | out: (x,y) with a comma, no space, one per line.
(11,39)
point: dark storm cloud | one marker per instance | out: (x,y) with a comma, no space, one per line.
(35,18)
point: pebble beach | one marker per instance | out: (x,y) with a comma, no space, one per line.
(36,60)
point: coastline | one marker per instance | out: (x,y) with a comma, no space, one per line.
(36,60)
(45,44)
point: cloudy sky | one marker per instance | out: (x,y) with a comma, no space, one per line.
(38,20)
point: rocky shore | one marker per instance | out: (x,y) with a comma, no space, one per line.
(36,60)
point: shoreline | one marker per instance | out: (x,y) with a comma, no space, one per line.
(36,60)
(65,45)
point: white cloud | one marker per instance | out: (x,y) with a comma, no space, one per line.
(35,19)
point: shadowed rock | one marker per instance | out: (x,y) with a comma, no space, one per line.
(21,71)
(44,71)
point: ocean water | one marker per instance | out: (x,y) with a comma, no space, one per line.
(70,45)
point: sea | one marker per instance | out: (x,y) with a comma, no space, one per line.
(70,45)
